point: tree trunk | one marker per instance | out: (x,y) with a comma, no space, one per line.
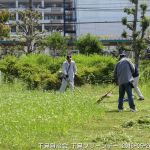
(29,47)
(137,59)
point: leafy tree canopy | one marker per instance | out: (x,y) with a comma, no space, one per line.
(138,36)
(4,29)
(56,42)
(89,44)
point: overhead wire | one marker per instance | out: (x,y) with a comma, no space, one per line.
(104,7)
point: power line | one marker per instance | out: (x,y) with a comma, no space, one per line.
(102,9)
(106,10)
(108,4)
(90,4)
(90,22)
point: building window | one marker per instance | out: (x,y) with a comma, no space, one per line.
(37,5)
(48,5)
(13,29)
(60,17)
(12,16)
(23,5)
(8,5)
(39,28)
(48,17)
(48,28)
(51,28)
(52,17)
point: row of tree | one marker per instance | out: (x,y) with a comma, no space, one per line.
(28,33)
(27,30)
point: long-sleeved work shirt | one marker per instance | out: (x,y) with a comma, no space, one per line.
(123,71)
(70,71)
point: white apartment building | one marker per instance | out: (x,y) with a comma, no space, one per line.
(103,17)
(54,16)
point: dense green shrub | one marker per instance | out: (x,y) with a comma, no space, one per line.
(40,71)
(95,69)
(145,71)
(35,75)
(7,66)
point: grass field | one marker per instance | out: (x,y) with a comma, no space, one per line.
(33,120)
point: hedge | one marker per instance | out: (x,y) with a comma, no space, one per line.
(41,71)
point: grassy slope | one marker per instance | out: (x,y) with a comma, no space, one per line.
(28,118)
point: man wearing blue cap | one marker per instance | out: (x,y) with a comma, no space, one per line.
(124,78)
(69,71)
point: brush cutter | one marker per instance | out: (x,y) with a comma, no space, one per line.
(105,95)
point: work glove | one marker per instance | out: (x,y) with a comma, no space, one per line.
(75,75)
(115,81)
(131,84)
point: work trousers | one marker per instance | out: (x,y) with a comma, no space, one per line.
(126,87)
(136,88)
(64,84)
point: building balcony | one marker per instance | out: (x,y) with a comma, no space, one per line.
(23,5)
(11,22)
(7,5)
(48,16)
(35,5)
(53,10)
(57,9)
(52,21)
(59,1)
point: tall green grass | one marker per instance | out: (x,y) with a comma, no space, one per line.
(31,117)
(28,118)
(40,71)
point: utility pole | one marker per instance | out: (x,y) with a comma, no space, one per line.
(31,9)
(135,16)
(75,17)
(64,17)
(30,5)
(30,32)
(134,33)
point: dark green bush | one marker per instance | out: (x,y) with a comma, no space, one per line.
(95,69)
(7,66)
(40,71)
(145,71)
(35,75)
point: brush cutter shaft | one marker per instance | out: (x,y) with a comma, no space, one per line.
(103,96)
